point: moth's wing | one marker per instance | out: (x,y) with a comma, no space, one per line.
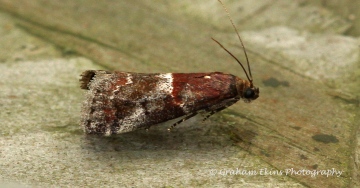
(203,91)
(148,100)
(99,111)
(120,102)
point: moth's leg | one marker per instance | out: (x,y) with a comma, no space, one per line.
(212,112)
(183,119)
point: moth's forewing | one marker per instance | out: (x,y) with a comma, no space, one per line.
(120,102)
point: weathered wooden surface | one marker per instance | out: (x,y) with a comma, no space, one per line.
(304,119)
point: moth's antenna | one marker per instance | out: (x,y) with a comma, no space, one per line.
(242,44)
(233,57)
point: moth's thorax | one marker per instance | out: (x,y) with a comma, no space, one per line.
(246,90)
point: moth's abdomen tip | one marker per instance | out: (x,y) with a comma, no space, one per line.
(86,77)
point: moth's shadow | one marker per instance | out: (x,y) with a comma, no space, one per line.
(190,135)
(154,139)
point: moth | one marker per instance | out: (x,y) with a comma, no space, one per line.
(119,102)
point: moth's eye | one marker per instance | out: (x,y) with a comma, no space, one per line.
(249,93)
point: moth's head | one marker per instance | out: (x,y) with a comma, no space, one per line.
(247,90)
(251,93)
